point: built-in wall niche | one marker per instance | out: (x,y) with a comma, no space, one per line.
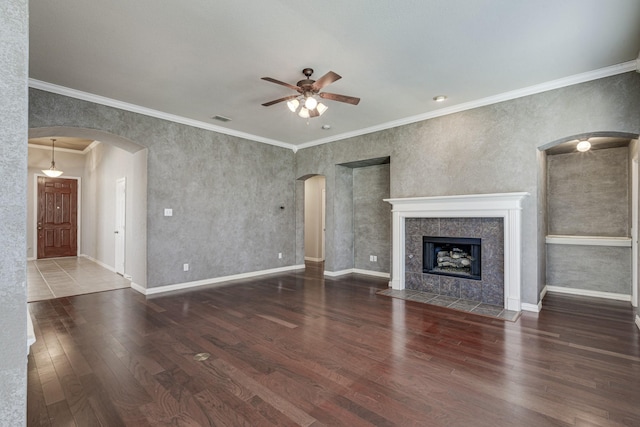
(588,196)
(362,220)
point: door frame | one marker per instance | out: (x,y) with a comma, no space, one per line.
(35,214)
(120,225)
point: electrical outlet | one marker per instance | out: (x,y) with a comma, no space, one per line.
(168,212)
(373,258)
(185,267)
(279,255)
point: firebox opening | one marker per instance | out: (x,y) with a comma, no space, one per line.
(457,256)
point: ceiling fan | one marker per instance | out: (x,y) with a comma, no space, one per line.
(307,91)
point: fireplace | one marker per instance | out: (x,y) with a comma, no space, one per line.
(452,256)
(500,217)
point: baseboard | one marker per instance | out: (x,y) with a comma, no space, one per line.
(100,263)
(32,259)
(588,293)
(308,258)
(543,293)
(372,273)
(358,271)
(338,273)
(138,288)
(213,281)
(638,321)
(531,307)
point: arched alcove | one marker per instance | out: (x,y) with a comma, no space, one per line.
(587,201)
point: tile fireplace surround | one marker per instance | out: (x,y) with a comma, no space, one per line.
(505,206)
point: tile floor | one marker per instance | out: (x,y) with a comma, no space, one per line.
(63,277)
(474,307)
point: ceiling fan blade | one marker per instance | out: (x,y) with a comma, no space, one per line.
(275,101)
(342,98)
(325,80)
(278,82)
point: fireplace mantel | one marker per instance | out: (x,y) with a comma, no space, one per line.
(501,205)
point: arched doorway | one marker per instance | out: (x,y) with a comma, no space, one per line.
(314,219)
(100,169)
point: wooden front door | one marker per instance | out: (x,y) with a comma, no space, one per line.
(57,217)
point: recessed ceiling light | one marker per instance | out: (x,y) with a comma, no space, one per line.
(326,127)
(583,145)
(439,98)
(221,118)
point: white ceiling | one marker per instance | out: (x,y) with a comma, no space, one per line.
(189,60)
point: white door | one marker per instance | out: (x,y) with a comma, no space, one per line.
(121,191)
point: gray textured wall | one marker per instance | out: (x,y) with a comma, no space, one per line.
(490,149)
(593,268)
(13,211)
(372,218)
(225,192)
(588,193)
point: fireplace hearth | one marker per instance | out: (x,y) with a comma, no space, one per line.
(452,256)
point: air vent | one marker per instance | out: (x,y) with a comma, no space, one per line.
(221,118)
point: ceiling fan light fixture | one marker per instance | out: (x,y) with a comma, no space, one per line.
(321,108)
(310,103)
(306,103)
(52,172)
(293,105)
(583,145)
(304,113)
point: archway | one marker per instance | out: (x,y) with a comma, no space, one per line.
(98,170)
(314,215)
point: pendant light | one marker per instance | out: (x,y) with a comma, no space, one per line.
(52,171)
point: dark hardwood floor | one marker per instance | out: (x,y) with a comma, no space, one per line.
(296,349)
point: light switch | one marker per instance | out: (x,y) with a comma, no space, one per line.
(168,212)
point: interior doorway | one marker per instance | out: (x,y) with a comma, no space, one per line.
(57,226)
(97,166)
(314,218)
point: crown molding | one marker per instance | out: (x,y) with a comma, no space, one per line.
(66,150)
(61,150)
(506,96)
(90,147)
(109,102)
